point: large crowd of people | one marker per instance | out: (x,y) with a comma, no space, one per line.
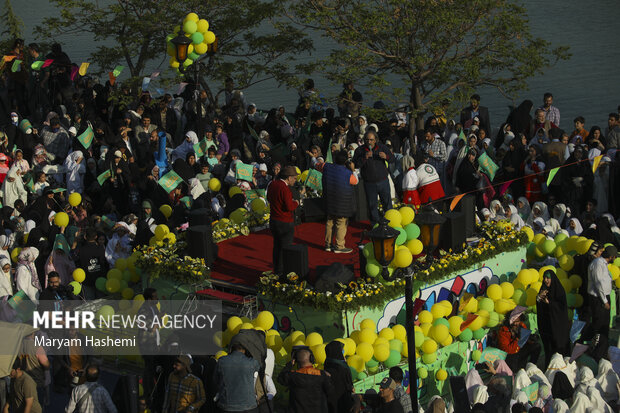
(46,110)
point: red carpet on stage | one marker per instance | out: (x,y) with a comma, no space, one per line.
(241,260)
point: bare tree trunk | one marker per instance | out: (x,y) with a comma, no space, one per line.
(418,123)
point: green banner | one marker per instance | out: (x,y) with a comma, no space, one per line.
(117,70)
(103,177)
(462,136)
(492,354)
(170,181)
(200,148)
(86,138)
(60,243)
(531,391)
(24,125)
(15,66)
(37,65)
(187,201)
(57,190)
(487,165)
(314,180)
(252,131)
(253,194)
(552,175)
(244,172)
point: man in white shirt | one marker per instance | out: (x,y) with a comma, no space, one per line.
(599,288)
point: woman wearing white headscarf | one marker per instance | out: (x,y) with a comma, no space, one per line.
(556,364)
(581,403)
(538,225)
(523,206)
(26,277)
(560,406)
(597,401)
(536,374)
(186,147)
(521,380)
(520,397)
(472,382)
(6,284)
(574,227)
(539,210)
(481,395)
(5,243)
(497,212)
(608,379)
(513,215)
(13,189)
(75,172)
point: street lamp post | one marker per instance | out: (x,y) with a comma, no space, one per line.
(383,239)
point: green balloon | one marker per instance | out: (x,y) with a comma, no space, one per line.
(193,55)
(190,27)
(77,287)
(124,284)
(353,373)
(197,38)
(443,321)
(396,344)
(466,335)
(127,275)
(393,359)
(422,373)
(548,246)
(429,358)
(519,297)
(372,363)
(419,339)
(362,376)
(486,304)
(368,251)
(373,268)
(100,284)
(402,236)
(479,334)
(413,231)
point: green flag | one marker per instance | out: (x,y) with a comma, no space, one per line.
(552,175)
(170,181)
(117,70)
(57,190)
(103,177)
(328,157)
(462,136)
(531,391)
(37,65)
(187,201)
(60,243)
(252,131)
(25,125)
(200,148)
(244,172)
(314,180)
(251,195)
(487,165)
(15,67)
(86,138)
(492,354)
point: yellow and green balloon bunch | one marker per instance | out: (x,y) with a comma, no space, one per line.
(561,247)
(118,278)
(198,31)
(407,243)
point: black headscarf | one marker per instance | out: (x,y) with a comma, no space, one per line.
(553,324)
(519,119)
(339,399)
(561,388)
(602,233)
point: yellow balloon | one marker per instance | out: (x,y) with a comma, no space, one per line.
(209,37)
(61,219)
(203,25)
(319,353)
(440,333)
(79,275)
(365,351)
(234,190)
(407,215)
(174,63)
(265,320)
(425,316)
(415,246)
(314,339)
(214,184)
(426,327)
(437,311)
(394,217)
(356,362)
(399,332)
(191,17)
(441,375)
(166,210)
(381,352)
(201,48)
(274,342)
(367,336)
(530,233)
(494,292)
(233,322)
(455,325)
(349,346)
(75,199)
(429,346)
(387,333)
(507,289)
(613,270)
(368,323)
(471,306)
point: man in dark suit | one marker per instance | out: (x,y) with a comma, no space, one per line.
(475,110)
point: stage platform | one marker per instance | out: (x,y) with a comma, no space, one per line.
(243,259)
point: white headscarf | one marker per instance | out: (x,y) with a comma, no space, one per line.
(12,191)
(536,374)
(608,379)
(560,406)
(544,214)
(186,147)
(578,228)
(559,212)
(571,369)
(515,219)
(557,364)
(472,382)
(499,214)
(6,284)
(524,212)
(581,403)
(481,395)
(597,400)
(75,172)
(521,380)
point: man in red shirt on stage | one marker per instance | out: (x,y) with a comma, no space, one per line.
(282,222)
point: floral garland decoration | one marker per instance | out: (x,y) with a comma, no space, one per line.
(373,293)
(225,229)
(168,261)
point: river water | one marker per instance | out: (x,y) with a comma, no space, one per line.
(588,84)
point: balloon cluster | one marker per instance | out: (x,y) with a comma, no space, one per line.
(407,243)
(162,235)
(118,279)
(198,31)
